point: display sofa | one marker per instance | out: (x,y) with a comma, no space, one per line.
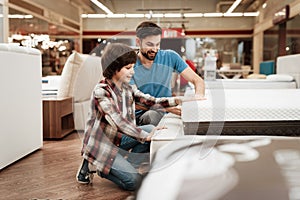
(80,75)
(21,102)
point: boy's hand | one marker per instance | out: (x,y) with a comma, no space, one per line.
(153,131)
(190,98)
(174,109)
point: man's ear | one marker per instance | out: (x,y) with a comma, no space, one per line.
(138,41)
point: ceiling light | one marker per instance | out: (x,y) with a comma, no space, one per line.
(193,14)
(157,15)
(17,36)
(103,7)
(149,16)
(233,6)
(84,15)
(264,5)
(251,14)
(62,48)
(236,14)
(170,15)
(213,14)
(115,16)
(135,15)
(93,15)
(173,15)
(164,9)
(17,16)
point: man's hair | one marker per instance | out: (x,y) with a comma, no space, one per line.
(146,29)
(116,56)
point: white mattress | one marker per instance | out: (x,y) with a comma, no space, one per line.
(249,84)
(244,105)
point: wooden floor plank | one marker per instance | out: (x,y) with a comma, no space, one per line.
(49,173)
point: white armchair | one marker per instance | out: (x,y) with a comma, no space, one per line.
(78,79)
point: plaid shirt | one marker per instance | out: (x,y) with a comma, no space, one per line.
(106,125)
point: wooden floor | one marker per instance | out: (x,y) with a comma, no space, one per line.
(49,173)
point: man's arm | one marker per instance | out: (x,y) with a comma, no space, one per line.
(189,75)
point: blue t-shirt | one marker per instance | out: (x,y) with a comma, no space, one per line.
(156,81)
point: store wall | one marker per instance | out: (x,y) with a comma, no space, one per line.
(257,25)
(222,23)
(273,6)
(61,7)
(265,22)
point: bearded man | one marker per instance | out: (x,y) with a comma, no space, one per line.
(153,73)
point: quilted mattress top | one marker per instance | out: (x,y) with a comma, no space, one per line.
(243,105)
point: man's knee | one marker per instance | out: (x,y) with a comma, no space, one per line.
(150,117)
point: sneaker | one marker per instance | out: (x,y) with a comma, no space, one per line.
(84,174)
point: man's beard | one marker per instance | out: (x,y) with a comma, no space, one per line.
(145,54)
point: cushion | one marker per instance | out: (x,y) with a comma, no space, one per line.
(256,76)
(280,77)
(68,77)
(79,76)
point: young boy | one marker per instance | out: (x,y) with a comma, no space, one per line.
(111,130)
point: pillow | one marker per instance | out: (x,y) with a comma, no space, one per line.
(280,77)
(256,76)
(70,69)
(79,76)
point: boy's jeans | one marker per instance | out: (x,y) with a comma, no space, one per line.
(123,171)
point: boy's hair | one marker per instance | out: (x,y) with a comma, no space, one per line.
(116,56)
(146,29)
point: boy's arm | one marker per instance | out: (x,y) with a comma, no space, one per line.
(145,101)
(112,114)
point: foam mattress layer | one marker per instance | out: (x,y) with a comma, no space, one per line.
(243,105)
(244,112)
(249,84)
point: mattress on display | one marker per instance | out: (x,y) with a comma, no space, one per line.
(243,112)
(251,84)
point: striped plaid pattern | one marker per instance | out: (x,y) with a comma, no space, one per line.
(106,125)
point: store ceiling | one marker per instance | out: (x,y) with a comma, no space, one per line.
(35,25)
(168,6)
(25,26)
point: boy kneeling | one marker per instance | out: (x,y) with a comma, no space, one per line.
(111,130)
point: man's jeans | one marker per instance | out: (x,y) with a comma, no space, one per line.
(123,172)
(149,117)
